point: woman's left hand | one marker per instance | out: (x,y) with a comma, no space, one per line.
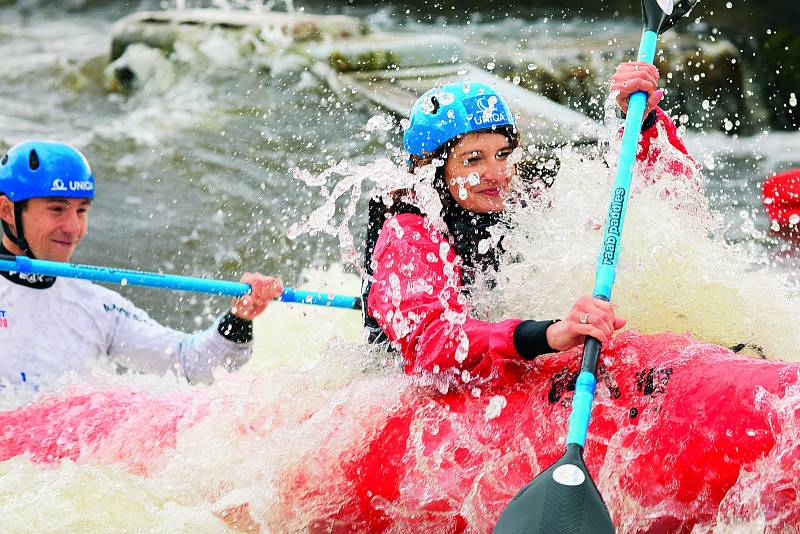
(636,76)
(263,290)
(588,317)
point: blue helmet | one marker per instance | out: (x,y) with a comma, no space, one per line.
(452,110)
(37,169)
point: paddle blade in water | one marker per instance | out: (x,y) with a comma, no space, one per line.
(563,499)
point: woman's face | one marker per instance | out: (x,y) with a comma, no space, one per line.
(477,172)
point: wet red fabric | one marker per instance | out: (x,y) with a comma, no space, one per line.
(416,298)
(416,293)
(656,162)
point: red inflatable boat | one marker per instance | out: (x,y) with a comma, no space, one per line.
(684,436)
(781,197)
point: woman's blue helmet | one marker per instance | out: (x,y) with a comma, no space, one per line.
(452,110)
(36,169)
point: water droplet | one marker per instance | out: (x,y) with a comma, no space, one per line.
(495,407)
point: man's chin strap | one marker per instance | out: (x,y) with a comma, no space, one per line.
(20,241)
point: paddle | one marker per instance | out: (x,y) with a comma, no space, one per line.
(563,499)
(23,264)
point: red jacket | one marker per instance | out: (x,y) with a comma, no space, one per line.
(416,293)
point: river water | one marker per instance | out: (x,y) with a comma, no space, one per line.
(196,175)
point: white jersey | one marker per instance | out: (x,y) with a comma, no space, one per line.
(47,331)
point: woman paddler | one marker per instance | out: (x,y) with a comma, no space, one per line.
(420,269)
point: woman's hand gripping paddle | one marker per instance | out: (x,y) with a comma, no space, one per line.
(563,499)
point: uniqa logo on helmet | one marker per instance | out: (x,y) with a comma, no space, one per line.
(74,185)
(485,111)
(82,185)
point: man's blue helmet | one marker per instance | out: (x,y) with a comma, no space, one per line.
(36,169)
(452,110)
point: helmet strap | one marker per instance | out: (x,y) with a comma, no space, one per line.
(19,239)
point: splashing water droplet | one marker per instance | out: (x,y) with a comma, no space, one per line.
(379,122)
(444,249)
(445,98)
(463,348)
(794,219)
(495,407)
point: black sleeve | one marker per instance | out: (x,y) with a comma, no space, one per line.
(235,328)
(650,120)
(530,338)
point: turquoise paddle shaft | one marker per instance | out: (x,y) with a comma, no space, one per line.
(610,250)
(22,264)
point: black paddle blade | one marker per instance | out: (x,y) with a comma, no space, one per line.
(563,499)
(681,9)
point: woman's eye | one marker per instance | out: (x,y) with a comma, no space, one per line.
(471,161)
(503,154)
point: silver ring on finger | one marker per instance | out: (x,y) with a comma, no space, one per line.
(584,319)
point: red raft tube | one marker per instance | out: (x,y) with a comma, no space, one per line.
(781,198)
(685,437)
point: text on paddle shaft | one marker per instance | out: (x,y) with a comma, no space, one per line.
(613,229)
